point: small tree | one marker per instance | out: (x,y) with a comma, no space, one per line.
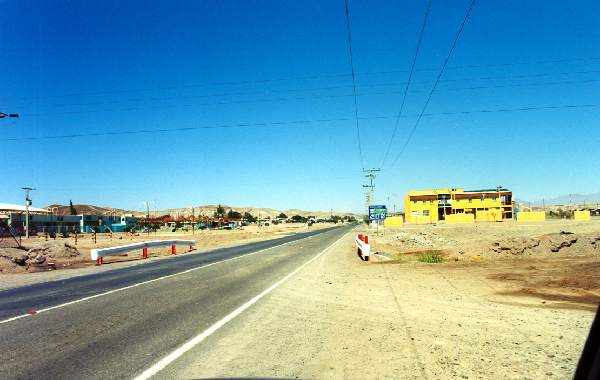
(234,214)
(282,216)
(220,211)
(298,219)
(72,208)
(249,218)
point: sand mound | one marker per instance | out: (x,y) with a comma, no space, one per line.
(563,242)
(14,260)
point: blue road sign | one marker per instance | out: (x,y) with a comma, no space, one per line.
(377,212)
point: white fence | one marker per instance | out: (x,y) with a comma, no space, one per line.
(99,253)
(364,248)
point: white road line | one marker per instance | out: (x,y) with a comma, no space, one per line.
(143,283)
(160,365)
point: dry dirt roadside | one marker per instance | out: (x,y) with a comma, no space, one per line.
(343,318)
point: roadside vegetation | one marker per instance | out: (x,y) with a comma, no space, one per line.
(431,258)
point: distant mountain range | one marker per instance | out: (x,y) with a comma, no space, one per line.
(572,199)
(206,210)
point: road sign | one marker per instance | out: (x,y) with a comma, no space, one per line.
(377,212)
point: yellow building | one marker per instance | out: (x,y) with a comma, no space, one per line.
(431,206)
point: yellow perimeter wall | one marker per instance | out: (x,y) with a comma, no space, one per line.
(531,216)
(494,215)
(582,215)
(393,221)
(460,218)
(422,219)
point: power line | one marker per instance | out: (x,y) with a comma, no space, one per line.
(307,77)
(154,107)
(412,68)
(414,128)
(353,82)
(293,122)
(189,97)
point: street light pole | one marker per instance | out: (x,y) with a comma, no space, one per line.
(3,115)
(27,204)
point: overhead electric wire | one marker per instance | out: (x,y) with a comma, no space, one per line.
(270,80)
(414,128)
(412,69)
(308,97)
(291,122)
(353,83)
(378,93)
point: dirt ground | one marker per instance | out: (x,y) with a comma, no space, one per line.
(517,318)
(39,255)
(556,261)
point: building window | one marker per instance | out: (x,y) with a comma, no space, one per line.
(431,201)
(414,202)
(494,199)
(425,212)
(415,213)
(470,199)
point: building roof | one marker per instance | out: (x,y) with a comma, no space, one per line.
(486,190)
(9,207)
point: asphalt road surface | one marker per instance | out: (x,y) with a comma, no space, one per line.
(90,327)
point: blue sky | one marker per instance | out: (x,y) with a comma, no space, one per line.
(272,71)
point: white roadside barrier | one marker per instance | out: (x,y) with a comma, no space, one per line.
(98,254)
(364,248)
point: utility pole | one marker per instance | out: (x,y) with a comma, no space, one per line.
(27,204)
(147,216)
(371,192)
(193,230)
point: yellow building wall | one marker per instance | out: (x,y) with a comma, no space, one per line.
(460,218)
(414,212)
(393,221)
(494,215)
(531,216)
(476,203)
(582,215)
(423,220)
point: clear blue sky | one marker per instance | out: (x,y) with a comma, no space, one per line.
(84,67)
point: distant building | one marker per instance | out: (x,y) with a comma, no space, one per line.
(431,206)
(42,220)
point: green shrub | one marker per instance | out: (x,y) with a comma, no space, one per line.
(430,258)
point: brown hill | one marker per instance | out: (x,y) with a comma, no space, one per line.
(87,209)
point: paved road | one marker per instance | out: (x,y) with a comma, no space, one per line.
(121,334)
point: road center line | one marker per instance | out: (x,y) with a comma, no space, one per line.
(160,365)
(145,282)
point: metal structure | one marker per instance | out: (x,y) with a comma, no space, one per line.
(377,212)
(27,204)
(370,193)
(100,253)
